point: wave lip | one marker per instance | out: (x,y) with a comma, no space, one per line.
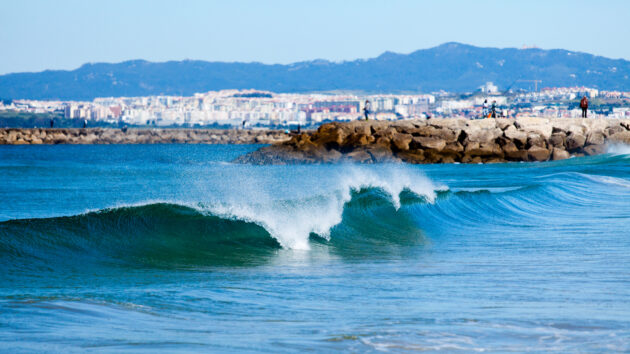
(291,222)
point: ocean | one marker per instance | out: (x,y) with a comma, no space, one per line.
(147,248)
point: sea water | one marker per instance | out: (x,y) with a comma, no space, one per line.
(174,248)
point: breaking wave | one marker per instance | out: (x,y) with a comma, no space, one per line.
(365,210)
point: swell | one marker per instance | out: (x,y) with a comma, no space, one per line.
(556,202)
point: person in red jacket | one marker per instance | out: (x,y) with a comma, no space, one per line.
(584,106)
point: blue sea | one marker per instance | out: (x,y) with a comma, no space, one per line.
(145,248)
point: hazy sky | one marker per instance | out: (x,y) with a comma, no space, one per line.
(60,34)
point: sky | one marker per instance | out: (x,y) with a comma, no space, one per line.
(36,35)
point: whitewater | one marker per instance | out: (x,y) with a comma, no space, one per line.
(175,248)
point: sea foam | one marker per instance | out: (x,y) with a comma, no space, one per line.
(291,221)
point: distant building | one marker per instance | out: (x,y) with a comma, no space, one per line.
(489,88)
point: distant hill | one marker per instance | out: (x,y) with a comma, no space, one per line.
(451,66)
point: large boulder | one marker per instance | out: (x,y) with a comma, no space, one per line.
(362,128)
(357,140)
(558,139)
(453,149)
(595,137)
(330,135)
(517,136)
(535,139)
(446,134)
(483,149)
(479,135)
(504,123)
(401,141)
(559,154)
(537,153)
(575,141)
(540,126)
(422,142)
(412,156)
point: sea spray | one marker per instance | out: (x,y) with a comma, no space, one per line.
(292,221)
(618,149)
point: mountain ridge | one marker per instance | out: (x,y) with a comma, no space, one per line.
(450,66)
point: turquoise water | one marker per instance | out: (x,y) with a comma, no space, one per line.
(145,248)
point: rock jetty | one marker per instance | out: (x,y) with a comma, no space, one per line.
(140,136)
(447,141)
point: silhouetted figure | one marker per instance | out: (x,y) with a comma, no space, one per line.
(493,109)
(366,109)
(584,106)
(299,130)
(84,123)
(52,122)
(243,125)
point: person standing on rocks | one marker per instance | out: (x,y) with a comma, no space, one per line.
(584,106)
(52,122)
(366,109)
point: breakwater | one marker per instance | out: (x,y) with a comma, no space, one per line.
(12,136)
(447,141)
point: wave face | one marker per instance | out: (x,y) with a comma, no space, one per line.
(154,234)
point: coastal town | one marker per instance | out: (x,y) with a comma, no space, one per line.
(262,109)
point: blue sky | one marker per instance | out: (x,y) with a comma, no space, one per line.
(59,34)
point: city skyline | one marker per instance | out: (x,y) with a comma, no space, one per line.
(263,109)
(41,35)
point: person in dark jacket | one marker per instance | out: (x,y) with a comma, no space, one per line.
(366,109)
(584,106)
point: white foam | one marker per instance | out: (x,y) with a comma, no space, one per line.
(291,221)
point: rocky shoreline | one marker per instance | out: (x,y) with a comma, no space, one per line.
(447,141)
(19,136)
